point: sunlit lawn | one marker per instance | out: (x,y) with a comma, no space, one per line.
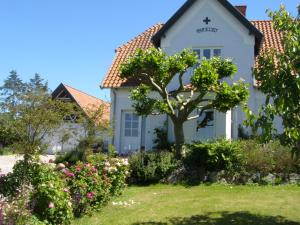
(212,205)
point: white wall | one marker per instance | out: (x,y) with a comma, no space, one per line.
(232,37)
(121,102)
(76,133)
(236,43)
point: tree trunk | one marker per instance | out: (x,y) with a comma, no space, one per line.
(179,139)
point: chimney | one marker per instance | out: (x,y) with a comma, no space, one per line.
(242,9)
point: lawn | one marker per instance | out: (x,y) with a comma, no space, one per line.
(212,205)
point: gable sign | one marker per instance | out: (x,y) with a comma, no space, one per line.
(207,29)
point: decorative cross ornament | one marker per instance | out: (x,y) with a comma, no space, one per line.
(206,20)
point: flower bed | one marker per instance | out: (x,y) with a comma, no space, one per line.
(59,192)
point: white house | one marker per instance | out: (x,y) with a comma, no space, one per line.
(67,137)
(210,28)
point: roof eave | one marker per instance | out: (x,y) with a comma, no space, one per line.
(252,29)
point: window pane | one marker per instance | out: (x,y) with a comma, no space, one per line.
(135,125)
(127,125)
(197,51)
(128,116)
(127,132)
(206,53)
(135,117)
(217,52)
(135,133)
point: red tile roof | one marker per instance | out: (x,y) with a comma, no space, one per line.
(272,39)
(89,103)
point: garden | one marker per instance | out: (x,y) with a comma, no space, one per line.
(253,180)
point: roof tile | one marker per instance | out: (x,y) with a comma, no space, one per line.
(272,39)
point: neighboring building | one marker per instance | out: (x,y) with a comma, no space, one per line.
(67,137)
(210,28)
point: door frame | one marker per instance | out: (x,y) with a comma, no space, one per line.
(122,129)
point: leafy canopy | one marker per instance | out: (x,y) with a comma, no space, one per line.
(30,112)
(207,89)
(277,74)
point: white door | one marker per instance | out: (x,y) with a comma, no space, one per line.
(131,132)
(205,129)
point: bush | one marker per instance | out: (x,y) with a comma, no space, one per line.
(48,201)
(151,167)
(214,156)
(72,157)
(268,158)
(92,184)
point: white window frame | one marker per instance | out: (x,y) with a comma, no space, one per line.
(212,50)
(133,121)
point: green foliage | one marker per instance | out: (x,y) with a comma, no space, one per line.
(268,158)
(31,114)
(278,77)
(71,157)
(155,70)
(92,184)
(214,156)
(151,167)
(48,200)
(161,140)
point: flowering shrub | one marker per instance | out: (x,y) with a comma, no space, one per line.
(115,170)
(15,210)
(50,202)
(47,200)
(88,190)
(92,184)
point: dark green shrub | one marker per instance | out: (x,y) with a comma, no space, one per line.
(161,140)
(73,157)
(214,156)
(150,167)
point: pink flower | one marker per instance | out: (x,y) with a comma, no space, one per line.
(71,174)
(51,161)
(78,169)
(65,171)
(51,205)
(94,170)
(66,190)
(90,195)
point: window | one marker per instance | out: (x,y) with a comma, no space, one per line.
(208,52)
(206,119)
(131,125)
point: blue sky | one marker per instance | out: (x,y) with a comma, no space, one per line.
(73,41)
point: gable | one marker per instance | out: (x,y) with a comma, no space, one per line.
(86,102)
(230,8)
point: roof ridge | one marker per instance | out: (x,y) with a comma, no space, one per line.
(260,20)
(85,93)
(139,35)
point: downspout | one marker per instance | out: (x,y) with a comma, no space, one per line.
(114,113)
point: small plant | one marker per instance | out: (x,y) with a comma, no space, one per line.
(151,167)
(214,156)
(161,141)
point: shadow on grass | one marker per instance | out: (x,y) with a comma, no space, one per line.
(236,218)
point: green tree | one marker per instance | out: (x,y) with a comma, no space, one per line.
(31,114)
(277,74)
(207,90)
(11,90)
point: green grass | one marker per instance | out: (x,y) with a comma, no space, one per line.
(203,205)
